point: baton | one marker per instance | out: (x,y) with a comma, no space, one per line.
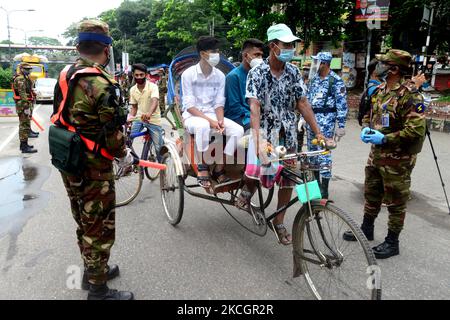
(154,165)
(37,123)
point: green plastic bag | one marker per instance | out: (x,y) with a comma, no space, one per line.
(313,190)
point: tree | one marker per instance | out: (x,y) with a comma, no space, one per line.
(184,21)
(6,77)
(312,20)
(44,41)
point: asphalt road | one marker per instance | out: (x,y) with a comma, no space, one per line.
(208,256)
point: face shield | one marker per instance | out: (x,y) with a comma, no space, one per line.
(111,67)
(314,70)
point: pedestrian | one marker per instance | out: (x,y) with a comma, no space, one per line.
(23,97)
(274,92)
(162,87)
(301,127)
(144,101)
(328,97)
(236,106)
(372,87)
(395,126)
(90,103)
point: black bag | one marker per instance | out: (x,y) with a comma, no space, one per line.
(67,150)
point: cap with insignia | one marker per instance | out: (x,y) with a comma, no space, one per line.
(395,57)
(94,30)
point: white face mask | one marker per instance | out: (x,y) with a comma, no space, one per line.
(256,62)
(214,59)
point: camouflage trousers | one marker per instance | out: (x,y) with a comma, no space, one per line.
(93,208)
(389,184)
(162,103)
(24,120)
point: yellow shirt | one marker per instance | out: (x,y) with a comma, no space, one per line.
(143,100)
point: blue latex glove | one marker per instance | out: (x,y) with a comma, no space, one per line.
(364,136)
(375,137)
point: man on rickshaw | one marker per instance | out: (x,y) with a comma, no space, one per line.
(274,91)
(203,100)
(236,105)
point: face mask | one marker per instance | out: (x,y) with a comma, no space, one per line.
(382,70)
(286,55)
(255,62)
(140,81)
(214,59)
(108,59)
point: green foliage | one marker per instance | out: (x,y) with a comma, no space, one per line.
(43,41)
(154,31)
(6,77)
(312,20)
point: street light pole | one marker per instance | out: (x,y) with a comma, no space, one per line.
(9,31)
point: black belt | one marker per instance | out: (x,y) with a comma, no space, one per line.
(325,110)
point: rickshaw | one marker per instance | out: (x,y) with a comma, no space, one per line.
(331,267)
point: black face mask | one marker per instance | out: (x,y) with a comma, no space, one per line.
(140,81)
(108,59)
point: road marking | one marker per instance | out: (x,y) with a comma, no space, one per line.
(12,135)
(8,140)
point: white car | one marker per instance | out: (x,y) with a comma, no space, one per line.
(44,88)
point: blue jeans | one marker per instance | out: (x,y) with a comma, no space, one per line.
(155,135)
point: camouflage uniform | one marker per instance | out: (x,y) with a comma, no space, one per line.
(162,86)
(92,194)
(125,86)
(22,85)
(388,170)
(338,109)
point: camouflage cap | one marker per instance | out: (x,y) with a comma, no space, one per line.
(94,30)
(25,65)
(397,57)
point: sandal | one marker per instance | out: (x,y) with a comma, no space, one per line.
(220,176)
(282,234)
(203,181)
(243,200)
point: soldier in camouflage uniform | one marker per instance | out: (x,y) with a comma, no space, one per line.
(23,96)
(162,86)
(396,128)
(92,194)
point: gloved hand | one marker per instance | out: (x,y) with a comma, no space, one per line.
(364,136)
(27,111)
(374,137)
(340,132)
(127,160)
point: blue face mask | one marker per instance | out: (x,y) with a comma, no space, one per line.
(286,55)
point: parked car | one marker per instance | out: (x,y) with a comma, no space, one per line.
(44,88)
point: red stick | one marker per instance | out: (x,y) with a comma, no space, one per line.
(153,165)
(37,123)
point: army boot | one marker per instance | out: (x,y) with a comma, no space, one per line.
(33,134)
(389,247)
(366,227)
(102,292)
(113,272)
(25,148)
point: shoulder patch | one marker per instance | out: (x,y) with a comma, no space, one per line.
(420,108)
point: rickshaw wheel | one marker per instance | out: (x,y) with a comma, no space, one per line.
(172,191)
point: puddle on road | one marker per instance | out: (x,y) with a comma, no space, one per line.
(20,195)
(12,182)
